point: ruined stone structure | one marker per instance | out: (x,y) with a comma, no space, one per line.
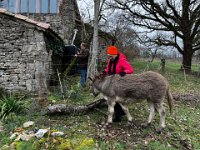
(63,23)
(31,43)
(25,54)
(62,15)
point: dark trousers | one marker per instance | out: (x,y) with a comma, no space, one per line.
(118,112)
(83,76)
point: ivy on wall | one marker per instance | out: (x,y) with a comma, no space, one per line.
(54,43)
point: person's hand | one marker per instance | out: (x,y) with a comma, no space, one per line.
(103,74)
(122,74)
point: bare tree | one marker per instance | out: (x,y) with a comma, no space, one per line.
(92,65)
(124,35)
(176,21)
(98,7)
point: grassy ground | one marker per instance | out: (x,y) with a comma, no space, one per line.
(88,132)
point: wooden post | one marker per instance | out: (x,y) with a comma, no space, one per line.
(163,65)
(38,6)
(61,86)
(17,6)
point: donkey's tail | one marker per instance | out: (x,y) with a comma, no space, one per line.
(170,100)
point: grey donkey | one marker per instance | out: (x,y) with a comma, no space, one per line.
(148,85)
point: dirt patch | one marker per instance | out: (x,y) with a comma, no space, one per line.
(132,134)
(191,99)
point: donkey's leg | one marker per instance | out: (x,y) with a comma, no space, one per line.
(111,104)
(128,115)
(151,112)
(161,111)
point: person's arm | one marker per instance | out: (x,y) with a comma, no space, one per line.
(127,68)
(106,69)
(84,54)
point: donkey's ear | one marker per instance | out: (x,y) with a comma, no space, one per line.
(97,73)
(90,78)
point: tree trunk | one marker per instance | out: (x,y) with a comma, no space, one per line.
(187,62)
(187,56)
(187,39)
(92,65)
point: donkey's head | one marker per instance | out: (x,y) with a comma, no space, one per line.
(94,81)
(93,90)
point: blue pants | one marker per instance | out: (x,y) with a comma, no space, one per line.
(83,77)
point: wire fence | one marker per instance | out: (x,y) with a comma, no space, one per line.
(160,62)
(67,86)
(161,66)
(62,81)
(180,80)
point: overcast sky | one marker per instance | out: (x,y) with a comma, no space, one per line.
(86,8)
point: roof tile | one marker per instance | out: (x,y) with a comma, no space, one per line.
(21,17)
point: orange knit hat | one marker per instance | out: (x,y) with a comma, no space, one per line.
(112,50)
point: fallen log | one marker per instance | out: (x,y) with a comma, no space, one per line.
(59,109)
(67,109)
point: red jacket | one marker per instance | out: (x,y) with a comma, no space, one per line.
(119,65)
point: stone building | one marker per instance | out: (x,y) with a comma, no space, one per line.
(34,34)
(31,43)
(62,15)
(25,51)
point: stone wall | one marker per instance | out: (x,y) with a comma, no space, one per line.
(27,52)
(23,55)
(54,20)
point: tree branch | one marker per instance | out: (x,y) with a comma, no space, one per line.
(174,10)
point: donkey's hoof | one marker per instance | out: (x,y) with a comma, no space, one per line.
(159,130)
(145,125)
(107,125)
(130,122)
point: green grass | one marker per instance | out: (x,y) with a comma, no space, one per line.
(9,104)
(179,81)
(87,132)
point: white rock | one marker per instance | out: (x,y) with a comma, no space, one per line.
(28,124)
(14,135)
(57,133)
(41,132)
(26,137)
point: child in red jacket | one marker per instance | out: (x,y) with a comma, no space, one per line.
(117,64)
